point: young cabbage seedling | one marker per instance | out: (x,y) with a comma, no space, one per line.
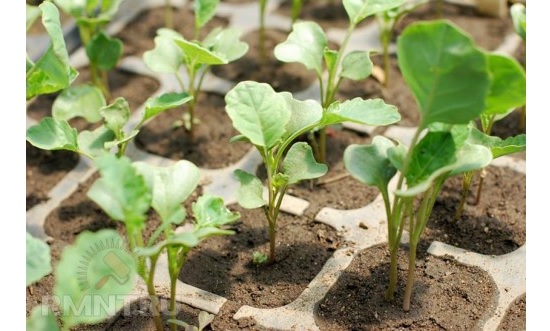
(307,44)
(126,191)
(506,93)
(450,81)
(55,133)
(52,71)
(172,51)
(103,51)
(271,122)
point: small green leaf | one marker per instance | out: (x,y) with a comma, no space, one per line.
(210,211)
(124,139)
(226,42)
(83,100)
(357,65)
(197,54)
(171,186)
(38,259)
(449,77)
(42,319)
(155,106)
(166,57)
(258,112)
(121,191)
(204,11)
(259,258)
(250,192)
(305,44)
(51,134)
(370,164)
(303,114)
(116,115)
(397,156)
(92,277)
(93,142)
(330,58)
(498,146)
(369,112)
(300,164)
(205,319)
(508,85)
(519,18)
(104,51)
(358,10)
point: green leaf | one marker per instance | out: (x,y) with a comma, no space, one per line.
(124,138)
(358,10)
(32,14)
(305,44)
(171,186)
(300,164)
(330,58)
(250,192)
(357,65)
(370,164)
(397,156)
(446,72)
(258,112)
(121,191)
(52,71)
(166,57)
(51,134)
(197,54)
(93,142)
(508,85)
(38,259)
(155,106)
(519,18)
(204,11)
(72,7)
(226,42)
(42,319)
(468,158)
(104,51)
(369,112)
(92,277)
(83,100)
(498,146)
(210,211)
(205,319)
(116,115)
(303,114)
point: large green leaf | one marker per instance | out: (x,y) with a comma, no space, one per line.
(38,259)
(121,191)
(358,10)
(305,44)
(508,85)
(370,164)
(82,100)
(250,191)
(116,115)
(171,186)
(104,51)
(92,277)
(498,146)
(52,71)
(51,134)
(166,57)
(446,72)
(356,65)
(303,114)
(195,53)
(93,142)
(42,319)
(300,164)
(204,11)
(226,42)
(210,211)
(258,112)
(369,112)
(155,106)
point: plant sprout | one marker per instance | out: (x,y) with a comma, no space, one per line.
(308,44)
(172,51)
(271,122)
(450,81)
(103,51)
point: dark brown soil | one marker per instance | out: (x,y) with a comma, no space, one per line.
(291,77)
(302,246)
(139,35)
(209,146)
(446,295)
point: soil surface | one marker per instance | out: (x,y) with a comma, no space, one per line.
(515,318)
(446,295)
